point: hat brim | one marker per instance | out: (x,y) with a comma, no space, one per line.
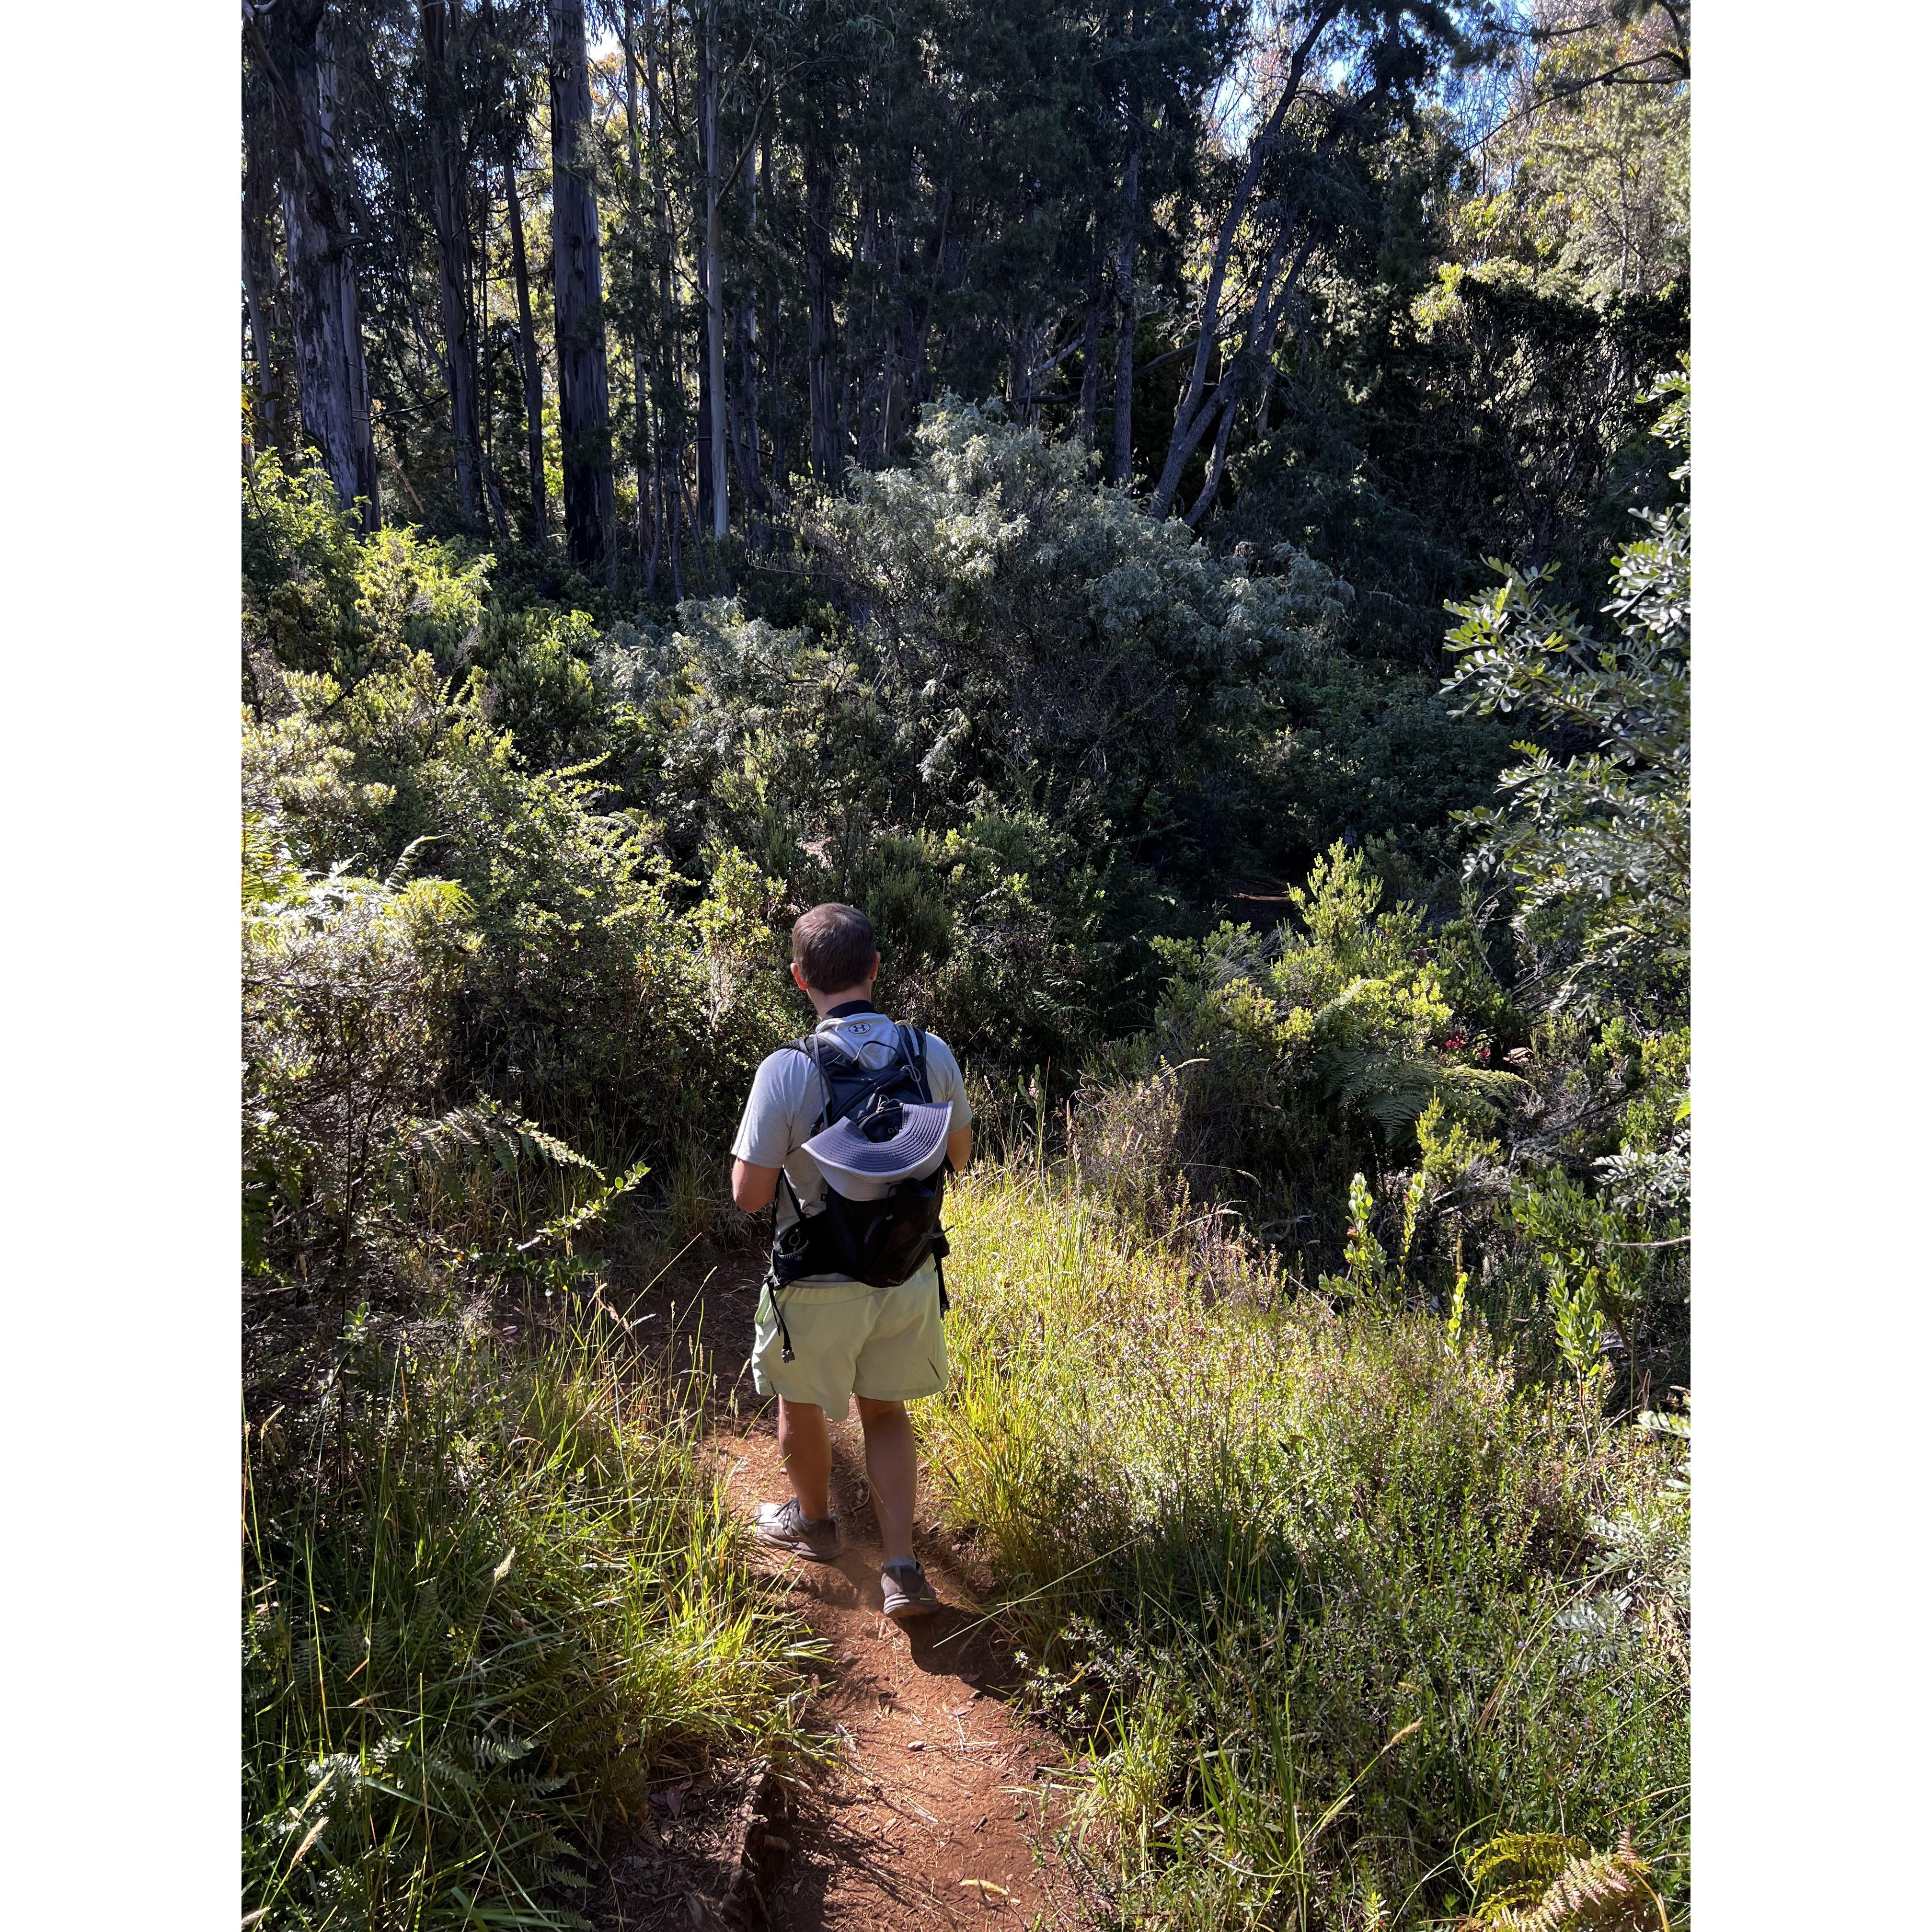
(842,1150)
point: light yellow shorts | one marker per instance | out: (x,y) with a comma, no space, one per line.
(887,1344)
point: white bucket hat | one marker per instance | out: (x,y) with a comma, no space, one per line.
(897,1139)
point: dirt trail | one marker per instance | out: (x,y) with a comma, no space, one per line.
(934,1817)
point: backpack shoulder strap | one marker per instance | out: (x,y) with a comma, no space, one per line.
(912,1046)
(809,1046)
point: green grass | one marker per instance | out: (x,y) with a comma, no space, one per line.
(491,1598)
(1317,1593)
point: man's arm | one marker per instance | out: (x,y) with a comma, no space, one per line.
(752,1186)
(959,1149)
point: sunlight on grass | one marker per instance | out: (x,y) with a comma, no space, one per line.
(1314,1591)
(491,1598)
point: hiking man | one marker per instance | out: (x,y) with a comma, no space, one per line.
(848,1134)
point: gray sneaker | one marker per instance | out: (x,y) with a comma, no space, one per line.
(907,1593)
(780,1526)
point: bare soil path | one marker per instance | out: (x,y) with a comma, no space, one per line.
(937,1816)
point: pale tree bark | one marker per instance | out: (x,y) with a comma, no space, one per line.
(1125,316)
(820,324)
(1254,373)
(666,496)
(642,456)
(449,201)
(259,196)
(1200,410)
(780,474)
(712,161)
(582,380)
(332,379)
(744,451)
(532,365)
(487,351)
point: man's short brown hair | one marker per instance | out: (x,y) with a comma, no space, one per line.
(833,946)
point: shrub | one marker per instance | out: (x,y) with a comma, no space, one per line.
(1041,639)
(1595,849)
(1312,1053)
(585,997)
(347,988)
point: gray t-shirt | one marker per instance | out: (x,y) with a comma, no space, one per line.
(787,1095)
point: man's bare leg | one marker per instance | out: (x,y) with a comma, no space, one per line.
(892,1464)
(805,1441)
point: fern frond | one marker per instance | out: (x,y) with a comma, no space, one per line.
(1393,1088)
(579,1217)
(488,1126)
(1556,1884)
(404,869)
(1516,1867)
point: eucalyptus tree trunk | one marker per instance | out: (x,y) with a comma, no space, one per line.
(642,455)
(713,163)
(746,454)
(332,380)
(532,368)
(780,472)
(449,201)
(583,381)
(488,350)
(1200,408)
(820,324)
(666,493)
(259,195)
(1125,317)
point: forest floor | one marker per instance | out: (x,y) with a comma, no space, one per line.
(939,1811)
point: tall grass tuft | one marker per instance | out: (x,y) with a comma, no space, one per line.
(490,1600)
(1321,1594)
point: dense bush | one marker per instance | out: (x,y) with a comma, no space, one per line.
(1591,842)
(1043,639)
(579,983)
(1509,1079)
(1301,1056)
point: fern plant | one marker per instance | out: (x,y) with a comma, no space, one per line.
(462,1177)
(1541,1881)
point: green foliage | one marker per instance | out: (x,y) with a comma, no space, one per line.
(1314,1054)
(1595,844)
(1541,1881)
(488,1601)
(1323,1589)
(346,990)
(588,998)
(1043,640)
(1038,689)
(1302,1587)
(1592,168)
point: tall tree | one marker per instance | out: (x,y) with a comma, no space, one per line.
(1123,299)
(449,201)
(583,381)
(1338,71)
(667,490)
(530,357)
(712,492)
(260,278)
(331,374)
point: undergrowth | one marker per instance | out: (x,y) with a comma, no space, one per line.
(491,1599)
(1327,1600)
